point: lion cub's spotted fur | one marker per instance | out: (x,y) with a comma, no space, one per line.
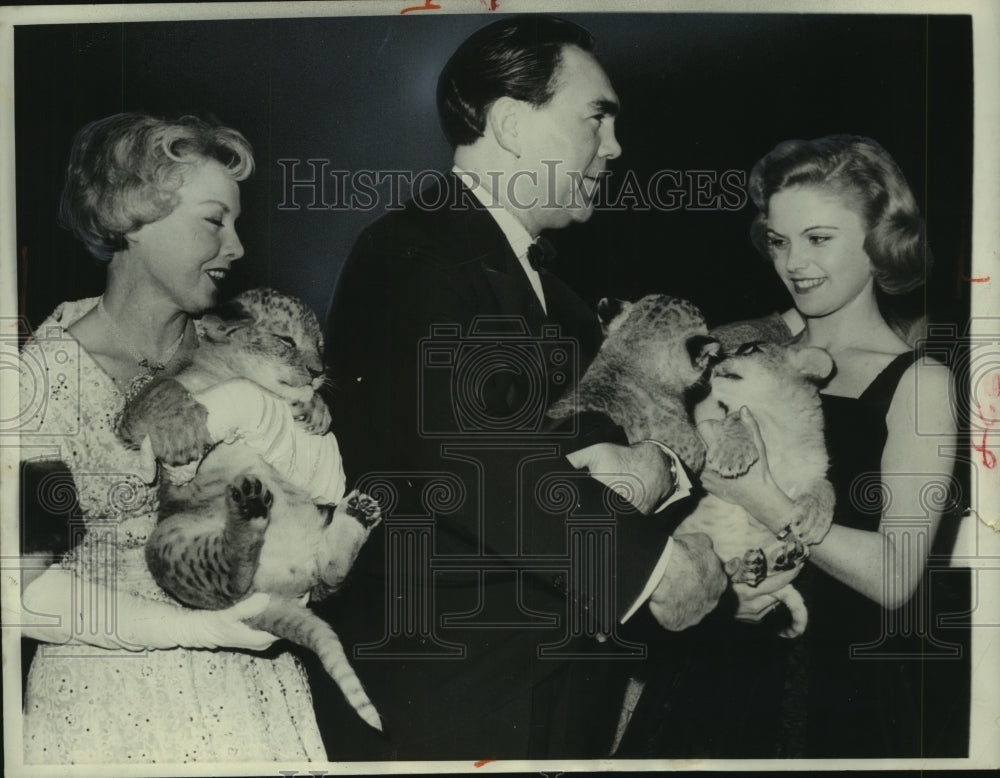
(239,527)
(651,368)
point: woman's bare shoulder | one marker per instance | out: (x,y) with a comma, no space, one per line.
(925,399)
(928,377)
(857,367)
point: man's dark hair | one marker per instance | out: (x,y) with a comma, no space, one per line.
(515,58)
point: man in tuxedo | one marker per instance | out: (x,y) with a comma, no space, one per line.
(487,618)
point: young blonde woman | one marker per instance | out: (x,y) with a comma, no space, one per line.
(842,228)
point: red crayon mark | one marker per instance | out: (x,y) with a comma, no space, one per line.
(983,280)
(427,6)
(490,5)
(482,762)
(989,458)
(992,390)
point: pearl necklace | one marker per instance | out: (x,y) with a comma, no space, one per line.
(152,366)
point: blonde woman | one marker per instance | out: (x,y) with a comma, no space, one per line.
(125,675)
(839,222)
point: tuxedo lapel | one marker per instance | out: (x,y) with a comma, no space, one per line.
(502,272)
(515,297)
(573,316)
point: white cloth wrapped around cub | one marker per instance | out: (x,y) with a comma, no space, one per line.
(241,411)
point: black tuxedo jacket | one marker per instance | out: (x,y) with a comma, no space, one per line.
(444,362)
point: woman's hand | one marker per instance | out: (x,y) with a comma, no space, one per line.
(226,628)
(756,490)
(99,616)
(755,602)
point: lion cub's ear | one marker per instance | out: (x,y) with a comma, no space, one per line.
(612,313)
(812,361)
(222,321)
(703,350)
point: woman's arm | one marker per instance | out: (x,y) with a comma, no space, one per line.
(55,605)
(61,607)
(243,410)
(885,565)
(234,410)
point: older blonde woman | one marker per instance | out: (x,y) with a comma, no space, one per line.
(125,674)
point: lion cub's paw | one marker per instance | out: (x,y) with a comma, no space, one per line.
(313,416)
(363,508)
(750,570)
(790,554)
(249,501)
(174,421)
(730,447)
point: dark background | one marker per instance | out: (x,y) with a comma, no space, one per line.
(709,92)
(699,92)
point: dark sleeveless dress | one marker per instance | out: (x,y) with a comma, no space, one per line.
(727,689)
(864,681)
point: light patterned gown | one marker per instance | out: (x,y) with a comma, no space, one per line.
(93,705)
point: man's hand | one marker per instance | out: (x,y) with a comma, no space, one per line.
(641,473)
(691,585)
(756,602)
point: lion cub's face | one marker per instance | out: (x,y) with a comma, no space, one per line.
(279,337)
(767,378)
(665,336)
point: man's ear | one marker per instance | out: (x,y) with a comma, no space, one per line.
(503,118)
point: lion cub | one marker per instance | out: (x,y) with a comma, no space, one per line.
(239,526)
(650,371)
(654,376)
(779,386)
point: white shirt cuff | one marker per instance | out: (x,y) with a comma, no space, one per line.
(681,490)
(682,486)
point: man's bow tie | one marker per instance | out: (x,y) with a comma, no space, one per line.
(541,253)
